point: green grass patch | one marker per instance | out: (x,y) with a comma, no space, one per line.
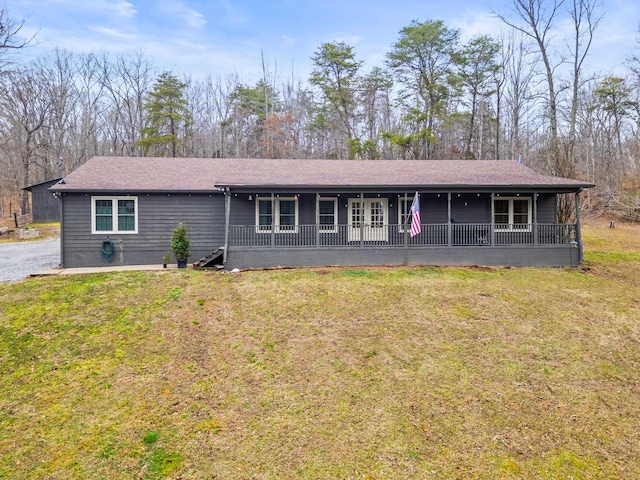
(416,372)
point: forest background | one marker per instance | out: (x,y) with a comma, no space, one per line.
(530,93)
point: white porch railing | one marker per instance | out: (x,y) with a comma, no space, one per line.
(455,235)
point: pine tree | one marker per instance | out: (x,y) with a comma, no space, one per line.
(168,117)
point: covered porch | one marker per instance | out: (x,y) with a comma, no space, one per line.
(512,228)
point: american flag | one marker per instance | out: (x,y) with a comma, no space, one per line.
(415,216)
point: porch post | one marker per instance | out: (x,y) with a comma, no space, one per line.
(578,235)
(227,214)
(273,221)
(535,218)
(493,219)
(406,221)
(449,233)
(318,219)
(363,218)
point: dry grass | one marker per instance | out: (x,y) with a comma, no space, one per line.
(45,230)
(368,373)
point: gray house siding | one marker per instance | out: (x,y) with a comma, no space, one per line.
(158,215)
(465,207)
(204,217)
(547,208)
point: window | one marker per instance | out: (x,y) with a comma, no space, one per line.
(512,213)
(328,214)
(404,213)
(287,215)
(114,214)
(283,212)
(265,215)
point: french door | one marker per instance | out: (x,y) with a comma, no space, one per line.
(368,219)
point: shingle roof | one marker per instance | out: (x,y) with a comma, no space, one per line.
(147,174)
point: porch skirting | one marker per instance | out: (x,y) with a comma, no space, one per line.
(515,256)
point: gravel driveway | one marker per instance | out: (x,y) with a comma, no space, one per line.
(18,260)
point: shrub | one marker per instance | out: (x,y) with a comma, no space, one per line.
(180,243)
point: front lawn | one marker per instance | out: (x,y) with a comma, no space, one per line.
(362,373)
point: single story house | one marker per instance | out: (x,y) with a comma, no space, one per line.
(268,212)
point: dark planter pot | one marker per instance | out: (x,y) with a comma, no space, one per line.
(182,263)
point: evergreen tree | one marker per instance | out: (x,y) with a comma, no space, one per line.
(424,60)
(168,117)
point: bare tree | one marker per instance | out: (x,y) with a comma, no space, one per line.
(585,21)
(25,107)
(536,22)
(11,40)
(125,81)
(518,71)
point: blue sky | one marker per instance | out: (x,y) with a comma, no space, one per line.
(220,37)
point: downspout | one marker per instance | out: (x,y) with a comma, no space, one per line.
(61,228)
(227,215)
(578,235)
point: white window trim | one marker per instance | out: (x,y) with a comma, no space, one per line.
(510,227)
(327,228)
(275,214)
(114,215)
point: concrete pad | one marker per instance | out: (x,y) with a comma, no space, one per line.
(111,268)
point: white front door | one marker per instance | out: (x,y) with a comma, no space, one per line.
(368,219)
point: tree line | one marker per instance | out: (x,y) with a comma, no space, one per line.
(526,94)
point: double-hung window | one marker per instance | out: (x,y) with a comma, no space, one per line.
(114,214)
(328,214)
(512,214)
(281,213)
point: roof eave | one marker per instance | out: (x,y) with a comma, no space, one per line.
(559,187)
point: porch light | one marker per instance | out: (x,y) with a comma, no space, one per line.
(250,197)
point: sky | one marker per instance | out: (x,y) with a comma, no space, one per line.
(220,37)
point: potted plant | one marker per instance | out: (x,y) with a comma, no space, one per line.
(180,245)
(165,259)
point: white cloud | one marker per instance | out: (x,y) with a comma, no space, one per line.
(123,8)
(176,8)
(475,23)
(349,39)
(195,19)
(287,41)
(113,33)
(118,8)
